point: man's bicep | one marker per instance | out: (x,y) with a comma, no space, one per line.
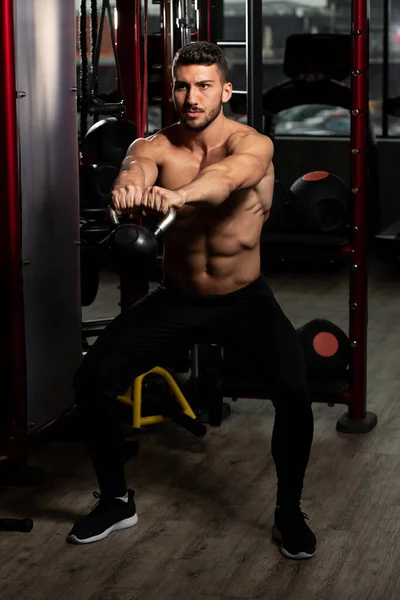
(149,167)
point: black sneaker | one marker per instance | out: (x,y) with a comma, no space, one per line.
(292,532)
(107,515)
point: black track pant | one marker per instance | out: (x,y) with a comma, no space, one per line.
(147,333)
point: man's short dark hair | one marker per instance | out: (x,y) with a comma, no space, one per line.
(202,53)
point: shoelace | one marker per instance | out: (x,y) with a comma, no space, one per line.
(299,520)
(294,510)
(98,496)
(295,515)
(99,499)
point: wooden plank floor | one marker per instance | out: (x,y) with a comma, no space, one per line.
(205,506)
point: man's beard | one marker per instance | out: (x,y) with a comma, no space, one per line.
(201,125)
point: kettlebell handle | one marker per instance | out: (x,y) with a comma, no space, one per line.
(162,226)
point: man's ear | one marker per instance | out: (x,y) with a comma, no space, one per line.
(227,92)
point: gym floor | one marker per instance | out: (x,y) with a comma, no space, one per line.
(205,506)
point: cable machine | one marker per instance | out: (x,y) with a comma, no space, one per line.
(181,21)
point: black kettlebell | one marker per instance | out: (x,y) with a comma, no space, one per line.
(133,247)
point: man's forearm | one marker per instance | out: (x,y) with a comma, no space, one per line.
(211,187)
(218,181)
(131,174)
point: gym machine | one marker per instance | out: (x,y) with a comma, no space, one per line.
(351,390)
(39,231)
(40,224)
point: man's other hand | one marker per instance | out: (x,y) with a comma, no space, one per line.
(161,200)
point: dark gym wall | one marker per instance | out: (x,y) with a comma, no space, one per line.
(388,153)
(295,156)
(47,131)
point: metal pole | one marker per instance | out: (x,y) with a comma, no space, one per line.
(254,64)
(359,267)
(186,21)
(358,420)
(12,354)
(167,109)
(232,44)
(385,67)
(172,32)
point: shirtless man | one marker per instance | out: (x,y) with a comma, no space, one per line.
(219,176)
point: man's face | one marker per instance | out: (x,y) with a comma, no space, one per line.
(199,94)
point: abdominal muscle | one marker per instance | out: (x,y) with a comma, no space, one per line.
(213,250)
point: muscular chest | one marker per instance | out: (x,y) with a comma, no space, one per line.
(179,169)
(199,226)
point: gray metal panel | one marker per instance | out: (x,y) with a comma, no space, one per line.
(45,47)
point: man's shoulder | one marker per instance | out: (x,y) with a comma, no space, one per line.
(153,146)
(242,133)
(164,137)
(239,130)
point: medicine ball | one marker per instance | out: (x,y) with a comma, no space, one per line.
(327,350)
(107,141)
(319,203)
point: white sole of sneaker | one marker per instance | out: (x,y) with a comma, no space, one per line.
(125,524)
(276,535)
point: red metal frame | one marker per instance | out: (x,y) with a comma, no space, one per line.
(128,29)
(13,337)
(145,68)
(359,180)
(208,20)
